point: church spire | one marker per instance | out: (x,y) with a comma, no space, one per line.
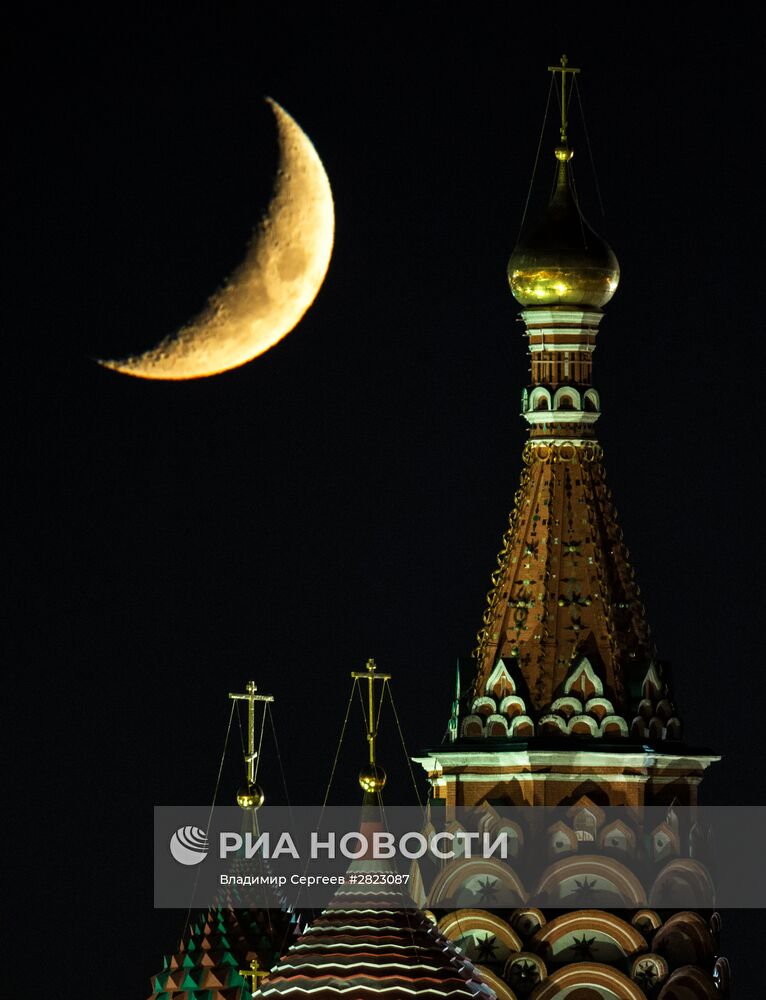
(564,647)
(372,778)
(250,795)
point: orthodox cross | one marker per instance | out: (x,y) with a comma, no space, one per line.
(370,674)
(564,68)
(254,974)
(251,698)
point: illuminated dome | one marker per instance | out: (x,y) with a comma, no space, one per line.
(561,261)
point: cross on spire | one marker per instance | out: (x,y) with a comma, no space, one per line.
(251,698)
(370,674)
(254,973)
(563,69)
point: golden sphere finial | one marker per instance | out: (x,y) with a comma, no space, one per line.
(250,796)
(372,778)
(563,154)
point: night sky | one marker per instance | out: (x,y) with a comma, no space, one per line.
(344,495)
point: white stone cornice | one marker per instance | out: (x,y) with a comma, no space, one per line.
(451,759)
(560,416)
(558,776)
(543,345)
(558,318)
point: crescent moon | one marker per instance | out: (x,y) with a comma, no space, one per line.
(266,296)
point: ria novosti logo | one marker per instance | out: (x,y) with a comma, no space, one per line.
(189,845)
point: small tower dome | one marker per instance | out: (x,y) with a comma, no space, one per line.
(561,261)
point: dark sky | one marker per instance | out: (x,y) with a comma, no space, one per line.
(344,495)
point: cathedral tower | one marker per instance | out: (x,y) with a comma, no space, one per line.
(566,703)
(566,687)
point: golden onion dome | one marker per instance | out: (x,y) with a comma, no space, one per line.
(561,261)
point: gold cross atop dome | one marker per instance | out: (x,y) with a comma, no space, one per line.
(564,68)
(254,973)
(250,795)
(372,778)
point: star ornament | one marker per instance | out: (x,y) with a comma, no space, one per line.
(487,890)
(646,974)
(524,973)
(486,948)
(584,887)
(583,947)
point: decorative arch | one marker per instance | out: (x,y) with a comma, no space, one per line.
(487,817)
(613,725)
(567,392)
(599,707)
(472,726)
(483,706)
(524,971)
(649,970)
(690,983)
(606,984)
(483,881)
(618,836)
(493,824)
(514,836)
(528,920)
(686,881)
(685,939)
(585,824)
(582,725)
(673,729)
(453,925)
(500,683)
(665,842)
(625,938)
(539,398)
(593,874)
(512,705)
(552,724)
(561,838)
(480,935)
(652,687)
(502,990)
(567,706)
(496,725)
(592,397)
(646,921)
(586,802)
(584,681)
(522,725)
(722,976)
